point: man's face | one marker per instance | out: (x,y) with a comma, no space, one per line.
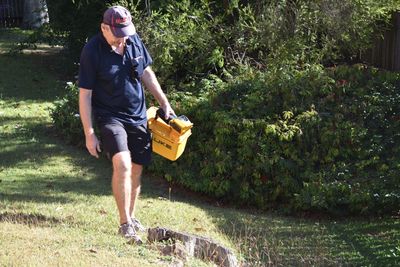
(110,38)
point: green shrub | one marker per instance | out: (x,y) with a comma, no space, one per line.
(79,19)
(190,39)
(303,139)
(183,43)
(65,116)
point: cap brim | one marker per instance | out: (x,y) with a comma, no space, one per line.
(123,32)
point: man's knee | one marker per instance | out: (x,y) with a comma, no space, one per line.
(136,174)
(122,162)
(136,170)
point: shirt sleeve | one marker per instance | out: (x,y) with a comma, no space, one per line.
(87,69)
(147,60)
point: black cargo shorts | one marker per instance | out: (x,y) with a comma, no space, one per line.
(117,137)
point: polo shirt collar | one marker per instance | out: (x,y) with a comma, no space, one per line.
(104,41)
(130,40)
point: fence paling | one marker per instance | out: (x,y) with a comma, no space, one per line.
(385,52)
(397,41)
(11,13)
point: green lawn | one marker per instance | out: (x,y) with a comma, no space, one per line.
(56,207)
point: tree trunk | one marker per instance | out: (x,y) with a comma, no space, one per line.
(35,14)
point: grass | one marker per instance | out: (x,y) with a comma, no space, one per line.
(56,207)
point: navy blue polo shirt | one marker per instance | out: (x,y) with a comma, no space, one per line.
(117,93)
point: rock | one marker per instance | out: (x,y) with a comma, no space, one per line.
(176,249)
(195,246)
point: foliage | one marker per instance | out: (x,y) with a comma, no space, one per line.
(80,19)
(329,31)
(305,139)
(190,39)
(65,115)
(183,43)
(45,34)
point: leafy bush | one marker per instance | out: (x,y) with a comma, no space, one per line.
(190,39)
(305,139)
(65,116)
(183,43)
(310,139)
(79,19)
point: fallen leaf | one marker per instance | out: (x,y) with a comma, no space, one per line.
(102,212)
(70,217)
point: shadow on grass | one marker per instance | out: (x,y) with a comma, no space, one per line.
(10,37)
(36,157)
(31,156)
(28,219)
(32,197)
(376,241)
(52,188)
(23,83)
(289,241)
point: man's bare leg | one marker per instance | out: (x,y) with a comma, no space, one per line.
(135,182)
(122,185)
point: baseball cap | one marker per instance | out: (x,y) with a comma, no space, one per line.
(120,21)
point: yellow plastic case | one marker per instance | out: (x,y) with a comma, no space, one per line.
(166,141)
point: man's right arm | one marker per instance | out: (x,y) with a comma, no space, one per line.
(85,111)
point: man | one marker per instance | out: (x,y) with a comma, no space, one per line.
(112,66)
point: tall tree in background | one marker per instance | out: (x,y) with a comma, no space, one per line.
(35,14)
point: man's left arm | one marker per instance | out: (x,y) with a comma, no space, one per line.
(151,83)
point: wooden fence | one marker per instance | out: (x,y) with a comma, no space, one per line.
(385,52)
(11,13)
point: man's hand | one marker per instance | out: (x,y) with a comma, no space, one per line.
(168,111)
(93,145)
